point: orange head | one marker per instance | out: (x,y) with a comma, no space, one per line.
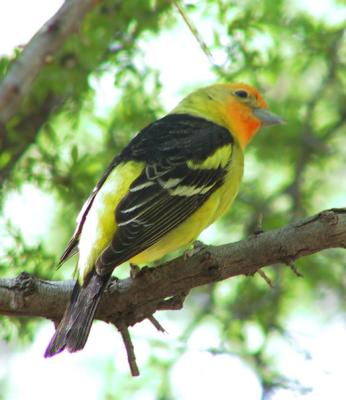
(237,106)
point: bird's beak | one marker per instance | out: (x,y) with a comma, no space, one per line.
(268,118)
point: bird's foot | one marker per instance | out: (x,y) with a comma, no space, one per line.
(134,271)
(197,246)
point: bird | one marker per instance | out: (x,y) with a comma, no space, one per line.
(173,179)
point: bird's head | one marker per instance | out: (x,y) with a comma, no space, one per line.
(237,106)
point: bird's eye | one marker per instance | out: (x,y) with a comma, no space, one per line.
(243,94)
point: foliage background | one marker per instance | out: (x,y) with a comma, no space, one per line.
(101,88)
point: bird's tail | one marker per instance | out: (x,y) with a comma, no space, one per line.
(73,330)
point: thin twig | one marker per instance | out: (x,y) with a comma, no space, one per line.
(263,275)
(157,324)
(130,350)
(295,270)
(195,33)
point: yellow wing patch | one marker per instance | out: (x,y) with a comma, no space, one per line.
(219,158)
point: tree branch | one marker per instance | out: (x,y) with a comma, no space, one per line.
(52,72)
(39,52)
(17,84)
(132,300)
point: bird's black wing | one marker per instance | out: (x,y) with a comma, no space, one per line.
(171,187)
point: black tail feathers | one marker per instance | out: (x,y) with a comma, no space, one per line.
(73,330)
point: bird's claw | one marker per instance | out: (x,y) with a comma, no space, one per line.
(134,271)
(197,246)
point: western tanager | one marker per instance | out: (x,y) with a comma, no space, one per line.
(173,179)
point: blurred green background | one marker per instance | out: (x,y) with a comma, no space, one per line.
(130,63)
